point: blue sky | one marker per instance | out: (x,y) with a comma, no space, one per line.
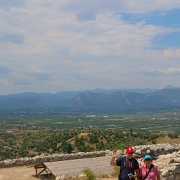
(51,46)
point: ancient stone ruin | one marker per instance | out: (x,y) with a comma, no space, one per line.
(165,156)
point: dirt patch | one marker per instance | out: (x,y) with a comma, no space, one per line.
(83,134)
(18,173)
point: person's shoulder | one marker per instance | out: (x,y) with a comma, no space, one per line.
(122,158)
(142,166)
(154,166)
(134,159)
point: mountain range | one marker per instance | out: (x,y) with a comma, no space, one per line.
(92,101)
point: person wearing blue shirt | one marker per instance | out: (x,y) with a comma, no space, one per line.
(129,167)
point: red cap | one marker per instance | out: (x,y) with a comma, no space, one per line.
(129,150)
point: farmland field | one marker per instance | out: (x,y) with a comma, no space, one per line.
(165,121)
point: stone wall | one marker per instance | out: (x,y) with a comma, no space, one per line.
(50,158)
(165,156)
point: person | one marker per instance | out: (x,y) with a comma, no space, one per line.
(129,166)
(148,171)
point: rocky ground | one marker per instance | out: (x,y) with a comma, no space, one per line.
(28,172)
(25,173)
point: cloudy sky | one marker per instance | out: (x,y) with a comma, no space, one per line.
(59,45)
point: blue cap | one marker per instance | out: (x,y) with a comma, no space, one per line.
(147,157)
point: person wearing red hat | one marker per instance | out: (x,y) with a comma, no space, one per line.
(129,166)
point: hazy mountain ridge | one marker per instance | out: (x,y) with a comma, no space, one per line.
(102,101)
(120,101)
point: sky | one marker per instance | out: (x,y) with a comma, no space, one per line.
(50,45)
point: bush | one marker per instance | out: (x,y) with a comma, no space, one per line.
(89,174)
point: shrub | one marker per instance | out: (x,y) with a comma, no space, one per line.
(89,174)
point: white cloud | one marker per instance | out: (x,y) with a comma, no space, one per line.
(138,6)
(81,44)
(172,53)
(159,71)
(175,71)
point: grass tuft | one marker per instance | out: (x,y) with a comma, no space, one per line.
(90,175)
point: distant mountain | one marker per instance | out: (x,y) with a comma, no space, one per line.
(98,100)
(103,102)
(124,101)
(169,87)
(71,94)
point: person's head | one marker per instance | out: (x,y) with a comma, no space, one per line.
(147,159)
(129,152)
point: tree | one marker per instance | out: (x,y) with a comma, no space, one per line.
(64,146)
(93,138)
(69,148)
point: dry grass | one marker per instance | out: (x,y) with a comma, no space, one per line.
(168,140)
